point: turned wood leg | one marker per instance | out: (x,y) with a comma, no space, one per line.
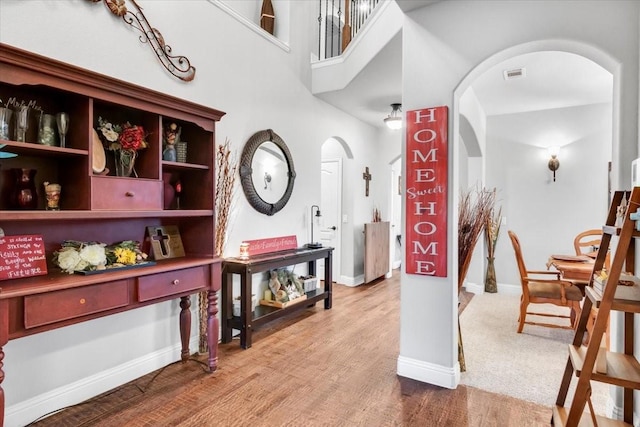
(1,389)
(4,339)
(185,326)
(212,329)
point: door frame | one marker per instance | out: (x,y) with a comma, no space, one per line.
(337,251)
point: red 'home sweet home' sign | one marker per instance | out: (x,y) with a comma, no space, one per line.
(426,192)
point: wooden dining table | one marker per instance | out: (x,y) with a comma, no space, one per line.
(574,268)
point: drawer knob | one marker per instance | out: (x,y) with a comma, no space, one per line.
(82,300)
(129,194)
(175,282)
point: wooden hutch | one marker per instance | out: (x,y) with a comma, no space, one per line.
(103,207)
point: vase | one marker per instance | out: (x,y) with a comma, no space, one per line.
(125,162)
(23,194)
(490,283)
(169,192)
(169,154)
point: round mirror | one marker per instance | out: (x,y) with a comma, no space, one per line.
(266,172)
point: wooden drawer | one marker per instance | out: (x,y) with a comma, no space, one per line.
(42,309)
(171,283)
(110,193)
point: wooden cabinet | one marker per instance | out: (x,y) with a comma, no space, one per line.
(620,293)
(104,207)
(376,250)
(246,268)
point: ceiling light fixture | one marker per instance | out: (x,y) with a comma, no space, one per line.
(394,120)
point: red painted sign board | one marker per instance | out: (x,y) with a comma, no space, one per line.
(22,256)
(274,244)
(426,173)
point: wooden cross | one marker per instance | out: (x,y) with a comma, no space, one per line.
(367,177)
(163,239)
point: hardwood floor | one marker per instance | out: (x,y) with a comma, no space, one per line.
(318,368)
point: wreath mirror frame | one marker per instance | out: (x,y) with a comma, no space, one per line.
(246,172)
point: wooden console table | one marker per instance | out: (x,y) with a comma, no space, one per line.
(246,268)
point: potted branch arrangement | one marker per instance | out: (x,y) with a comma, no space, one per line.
(491,233)
(474,210)
(226,167)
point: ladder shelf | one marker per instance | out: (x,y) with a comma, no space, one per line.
(619,291)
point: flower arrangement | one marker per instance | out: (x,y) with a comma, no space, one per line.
(125,141)
(75,256)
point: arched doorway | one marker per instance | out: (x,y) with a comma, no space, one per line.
(515,121)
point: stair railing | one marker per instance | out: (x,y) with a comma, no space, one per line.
(339,22)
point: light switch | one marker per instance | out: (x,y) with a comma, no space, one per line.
(345,219)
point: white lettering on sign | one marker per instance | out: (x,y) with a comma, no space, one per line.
(22,256)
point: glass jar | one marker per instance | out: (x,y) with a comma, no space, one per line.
(47,130)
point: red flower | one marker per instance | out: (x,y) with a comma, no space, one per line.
(132,138)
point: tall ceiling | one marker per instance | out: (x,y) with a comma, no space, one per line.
(551,80)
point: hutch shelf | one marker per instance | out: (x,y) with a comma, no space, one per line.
(96,205)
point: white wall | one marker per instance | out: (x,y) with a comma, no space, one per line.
(531,202)
(259,84)
(443,45)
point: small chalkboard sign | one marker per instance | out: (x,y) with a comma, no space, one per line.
(22,256)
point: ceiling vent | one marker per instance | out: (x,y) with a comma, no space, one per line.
(516,73)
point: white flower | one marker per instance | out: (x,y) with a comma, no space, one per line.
(94,254)
(110,134)
(68,259)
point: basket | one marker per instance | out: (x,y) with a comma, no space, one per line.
(310,283)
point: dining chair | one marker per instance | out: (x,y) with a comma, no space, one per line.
(587,242)
(541,290)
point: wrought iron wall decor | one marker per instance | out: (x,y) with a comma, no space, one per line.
(178,65)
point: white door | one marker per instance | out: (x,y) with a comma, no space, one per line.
(330,205)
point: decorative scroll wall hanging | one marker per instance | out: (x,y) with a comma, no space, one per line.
(177,65)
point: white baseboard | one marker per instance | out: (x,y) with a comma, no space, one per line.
(351,281)
(504,288)
(428,372)
(396,264)
(25,412)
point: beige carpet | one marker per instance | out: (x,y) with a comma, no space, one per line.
(527,366)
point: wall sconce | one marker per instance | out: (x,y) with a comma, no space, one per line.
(313,244)
(394,119)
(554,163)
(244,250)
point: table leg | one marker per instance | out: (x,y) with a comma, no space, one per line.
(328,280)
(185,326)
(227,332)
(245,310)
(212,329)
